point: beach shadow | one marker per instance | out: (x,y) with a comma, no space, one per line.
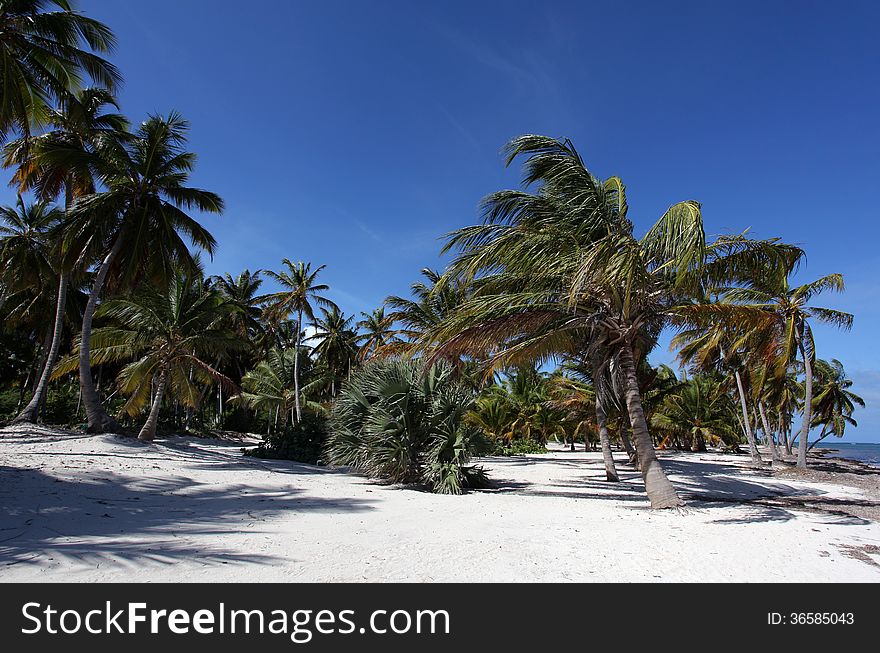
(751,494)
(116,518)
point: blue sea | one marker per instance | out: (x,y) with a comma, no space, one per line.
(865,452)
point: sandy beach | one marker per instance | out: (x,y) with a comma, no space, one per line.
(82,508)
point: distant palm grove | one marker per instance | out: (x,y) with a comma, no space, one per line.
(538,330)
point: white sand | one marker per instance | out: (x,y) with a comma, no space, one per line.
(106,508)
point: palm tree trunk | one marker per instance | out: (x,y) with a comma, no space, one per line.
(601,421)
(148,432)
(774,453)
(31,412)
(808,408)
(627,444)
(98,419)
(660,491)
(747,425)
(296,366)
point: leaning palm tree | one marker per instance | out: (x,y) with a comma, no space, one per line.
(789,307)
(47,49)
(300,294)
(140,209)
(834,402)
(44,165)
(167,337)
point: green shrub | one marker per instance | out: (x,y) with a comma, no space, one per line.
(517,447)
(301,442)
(397,421)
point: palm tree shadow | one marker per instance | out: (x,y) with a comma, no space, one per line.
(702,483)
(121,519)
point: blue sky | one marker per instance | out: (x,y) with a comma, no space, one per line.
(354,134)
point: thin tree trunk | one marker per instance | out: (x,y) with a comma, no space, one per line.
(601,421)
(627,445)
(660,490)
(296,366)
(148,432)
(822,436)
(31,412)
(747,426)
(98,419)
(808,406)
(768,434)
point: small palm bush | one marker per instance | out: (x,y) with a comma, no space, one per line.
(397,421)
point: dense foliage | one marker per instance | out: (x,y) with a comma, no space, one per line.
(398,421)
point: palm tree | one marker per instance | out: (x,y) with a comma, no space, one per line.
(789,308)
(432,301)
(270,386)
(301,291)
(558,272)
(79,126)
(170,334)
(25,246)
(378,333)
(141,211)
(44,58)
(337,344)
(241,295)
(699,411)
(834,402)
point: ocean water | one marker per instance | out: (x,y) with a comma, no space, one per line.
(865,452)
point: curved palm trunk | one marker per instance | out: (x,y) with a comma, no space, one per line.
(98,419)
(747,425)
(148,432)
(808,409)
(296,367)
(768,433)
(660,490)
(31,412)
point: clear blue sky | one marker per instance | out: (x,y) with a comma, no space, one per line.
(354,134)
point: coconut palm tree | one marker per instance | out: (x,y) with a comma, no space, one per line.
(300,294)
(791,311)
(377,333)
(169,335)
(337,344)
(141,209)
(834,402)
(47,49)
(44,164)
(26,246)
(270,386)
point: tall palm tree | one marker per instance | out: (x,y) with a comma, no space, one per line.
(791,312)
(47,49)
(300,295)
(140,210)
(44,165)
(377,333)
(171,334)
(834,402)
